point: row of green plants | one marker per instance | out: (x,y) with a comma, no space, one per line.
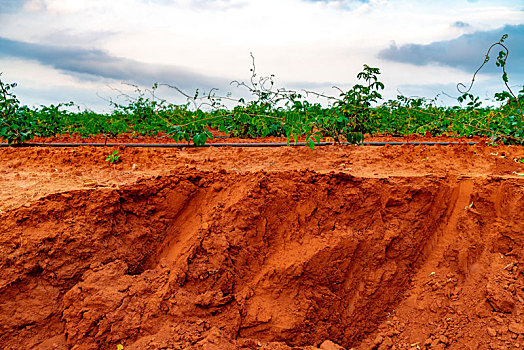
(271,111)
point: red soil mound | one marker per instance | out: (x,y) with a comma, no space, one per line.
(190,253)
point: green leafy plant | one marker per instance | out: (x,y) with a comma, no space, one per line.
(353,116)
(50,120)
(16,122)
(113,157)
(511,125)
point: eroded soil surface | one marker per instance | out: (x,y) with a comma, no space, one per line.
(340,247)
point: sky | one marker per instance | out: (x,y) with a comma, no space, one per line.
(87,51)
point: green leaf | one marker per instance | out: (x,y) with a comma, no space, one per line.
(310,143)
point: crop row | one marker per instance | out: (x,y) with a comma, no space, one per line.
(348,117)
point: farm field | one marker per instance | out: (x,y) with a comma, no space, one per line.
(393,247)
(336,245)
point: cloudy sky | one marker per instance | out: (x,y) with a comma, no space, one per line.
(62,50)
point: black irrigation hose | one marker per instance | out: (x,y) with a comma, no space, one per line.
(274,144)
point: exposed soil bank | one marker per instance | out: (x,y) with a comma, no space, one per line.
(268,260)
(27,174)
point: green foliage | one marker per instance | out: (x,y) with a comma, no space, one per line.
(352,114)
(143,115)
(16,122)
(272,111)
(50,121)
(193,127)
(113,157)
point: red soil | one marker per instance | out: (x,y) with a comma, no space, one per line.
(396,247)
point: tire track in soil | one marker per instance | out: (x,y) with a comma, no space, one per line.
(446,234)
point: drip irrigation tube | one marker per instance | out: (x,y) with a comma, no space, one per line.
(274,144)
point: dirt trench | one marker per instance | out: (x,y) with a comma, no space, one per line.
(226,260)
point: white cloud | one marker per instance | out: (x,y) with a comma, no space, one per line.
(60,7)
(39,85)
